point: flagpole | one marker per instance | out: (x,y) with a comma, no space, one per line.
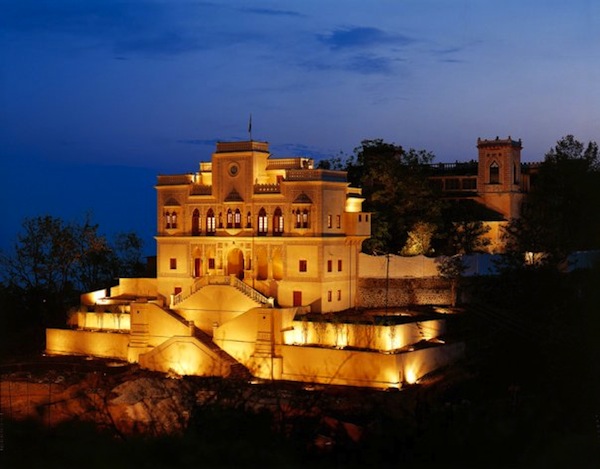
(250,126)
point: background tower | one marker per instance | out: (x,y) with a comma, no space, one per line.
(499,175)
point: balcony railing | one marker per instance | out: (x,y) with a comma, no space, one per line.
(176,179)
(315,175)
(267,188)
(201,189)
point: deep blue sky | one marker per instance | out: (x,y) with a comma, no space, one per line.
(97,97)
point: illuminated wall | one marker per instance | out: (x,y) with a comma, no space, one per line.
(370,369)
(368,336)
(102,321)
(184,356)
(97,344)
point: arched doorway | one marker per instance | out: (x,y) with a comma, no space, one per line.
(235,263)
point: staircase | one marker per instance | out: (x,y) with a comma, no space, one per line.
(238,370)
(231,280)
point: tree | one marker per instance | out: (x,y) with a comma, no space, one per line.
(54,261)
(452,268)
(561,213)
(395,184)
(128,251)
(468,236)
(419,239)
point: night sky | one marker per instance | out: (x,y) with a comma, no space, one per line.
(97,97)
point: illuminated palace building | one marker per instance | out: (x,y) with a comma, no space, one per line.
(279,226)
(259,273)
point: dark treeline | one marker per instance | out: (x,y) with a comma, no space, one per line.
(51,264)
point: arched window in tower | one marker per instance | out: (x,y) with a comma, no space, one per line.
(210,222)
(494,173)
(196,222)
(173,219)
(229,218)
(297,218)
(237,218)
(262,222)
(305,219)
(168,220)
(277,222)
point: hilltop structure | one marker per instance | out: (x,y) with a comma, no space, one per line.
(259,274)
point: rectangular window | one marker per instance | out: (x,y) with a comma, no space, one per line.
(339,296)
(211,263)
(173,263)
(329,295)
(329,221)
(297,298)
(339,265)
(302,265)
(329,265)
(338,221)
(359,217)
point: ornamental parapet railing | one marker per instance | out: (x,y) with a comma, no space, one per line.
(176,179)
(462,168)
(201,189)
(267,188)
(315,175)
(249,145)
(290,163)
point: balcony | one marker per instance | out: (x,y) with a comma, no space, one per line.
(175,180)
(200,189)
(315,175)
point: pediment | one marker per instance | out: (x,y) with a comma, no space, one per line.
(171,202)
(303,199)
(234,196)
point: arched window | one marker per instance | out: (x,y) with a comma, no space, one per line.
(248,220)
(277,222)
(262,222)
(494,173)
(297,218)
(196,223)
(229,218)
(168,220)
(173,219)
(220,219)
(210,222)
(305,218)
(237,219)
